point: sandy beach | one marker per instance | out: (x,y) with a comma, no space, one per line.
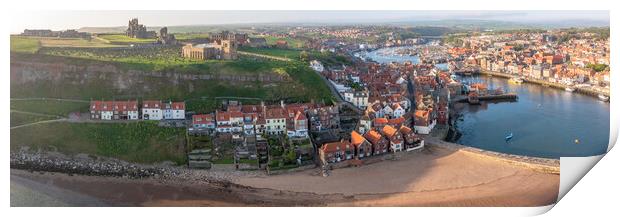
(435,177)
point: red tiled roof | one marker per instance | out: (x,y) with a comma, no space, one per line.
(396,121)
(405,130)
(335,146)
(380,121)
(178,105)
(202,119)
(222,116)
(151,104)
(389,130)
(122,106)
(275,113)
(356,138)
(372,136)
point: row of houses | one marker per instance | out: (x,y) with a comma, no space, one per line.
(372,143)
(131,110)
(293,120)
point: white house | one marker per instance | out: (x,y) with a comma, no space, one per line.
(397,110)
(357,98)
(222,120)
(275,121)
(388,111)
(152,110)
(317,66)
(174,110)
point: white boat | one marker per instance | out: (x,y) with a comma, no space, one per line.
(515,80)
(569,89)
(603,98)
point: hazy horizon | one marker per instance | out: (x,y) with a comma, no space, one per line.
(61,20)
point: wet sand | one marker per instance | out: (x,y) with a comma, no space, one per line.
(434,177)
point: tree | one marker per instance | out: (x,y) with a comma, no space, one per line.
(303,56)
(290,156)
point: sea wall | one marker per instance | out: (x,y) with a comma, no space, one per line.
(546,83)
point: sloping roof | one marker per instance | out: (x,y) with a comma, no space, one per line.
(405,130)
(151,104)
(373,136)
(335,146)
(396,121)
(222,116)
(356,138)
(380,121)
(389,130)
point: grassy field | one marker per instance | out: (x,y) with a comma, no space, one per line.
(49,107)
(292,42)
(74,42)
(142,142)
(18,118)
(189,36)
(123,39)
(24,44)
(287,53)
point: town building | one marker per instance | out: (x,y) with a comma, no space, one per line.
(174,110)
(357,98)
(114,110)
(334,152)
(152,110)
(223,49)
(203,122)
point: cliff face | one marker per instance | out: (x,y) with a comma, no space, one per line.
(60,78)
(23,72)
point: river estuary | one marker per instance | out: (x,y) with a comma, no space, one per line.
(545,122)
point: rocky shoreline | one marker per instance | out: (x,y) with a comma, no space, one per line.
(84,165)
(81,164)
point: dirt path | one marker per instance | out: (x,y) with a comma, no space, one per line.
(40,122)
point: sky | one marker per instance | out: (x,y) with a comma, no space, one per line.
(60,20)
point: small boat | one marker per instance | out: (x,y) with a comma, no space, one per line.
(569,89)
(515,80)
(509,137)
(603,98)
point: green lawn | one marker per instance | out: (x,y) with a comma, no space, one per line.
(278,52)
(292,42)
(142,142)
(124,39)
(49,107)
(24,44)
(189,36)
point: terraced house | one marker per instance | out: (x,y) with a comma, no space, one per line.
(114,110)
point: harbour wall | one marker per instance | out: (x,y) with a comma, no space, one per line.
(545,83)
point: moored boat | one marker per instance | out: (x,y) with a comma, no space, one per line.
(569,89)
(515,80)
(509,136)
(603,98)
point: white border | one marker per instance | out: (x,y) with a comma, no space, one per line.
(19,6)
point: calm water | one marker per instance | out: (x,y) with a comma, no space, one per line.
(545,122)
(387,55)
